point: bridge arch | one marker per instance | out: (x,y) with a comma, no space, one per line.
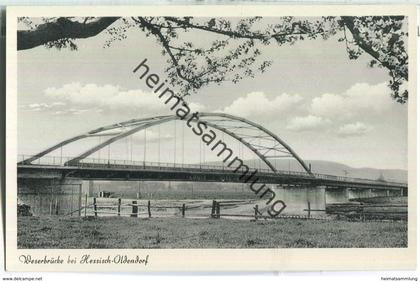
(243,130)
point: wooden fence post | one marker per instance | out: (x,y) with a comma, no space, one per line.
(148,209)
(183,210)
(80,200)
(56,205)
(256,212)
(119,207)
(86,203)
(71,204)
(135,209)
(218,210)
(95,208)
(51,200)
(213,209)
(309,210)
(362,214)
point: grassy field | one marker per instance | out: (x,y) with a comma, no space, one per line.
(126,232)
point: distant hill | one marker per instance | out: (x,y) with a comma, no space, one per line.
(338,169)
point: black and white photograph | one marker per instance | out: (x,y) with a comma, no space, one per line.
(200,129)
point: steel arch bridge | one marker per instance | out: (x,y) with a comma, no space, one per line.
(245,131)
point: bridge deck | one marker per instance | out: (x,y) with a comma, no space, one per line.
(132,170)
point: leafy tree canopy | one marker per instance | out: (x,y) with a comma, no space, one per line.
(237,45)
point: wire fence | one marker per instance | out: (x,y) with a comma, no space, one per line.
(223,209)
(134,208)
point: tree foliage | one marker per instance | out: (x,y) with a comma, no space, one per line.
(236,48)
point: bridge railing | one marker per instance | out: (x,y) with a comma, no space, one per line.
(160,165)
(132,164)
(57,160)
(46,160)
(358,180)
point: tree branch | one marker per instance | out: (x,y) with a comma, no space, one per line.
(348,22)
(155,31)
(236,34)
(60,29)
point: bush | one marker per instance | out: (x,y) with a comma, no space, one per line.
(24,210)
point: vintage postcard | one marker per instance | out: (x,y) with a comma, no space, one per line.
(211,138)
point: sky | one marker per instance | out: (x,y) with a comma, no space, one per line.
(325,106)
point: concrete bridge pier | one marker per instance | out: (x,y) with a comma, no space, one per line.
(336,195)
(395,192)
(360,193)
(343,194)
(91,189)
(380,193)
(298,198)
(50,196)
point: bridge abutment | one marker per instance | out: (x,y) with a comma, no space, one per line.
(91,189)
(50,196)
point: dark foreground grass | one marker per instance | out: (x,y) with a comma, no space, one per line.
(131,233)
